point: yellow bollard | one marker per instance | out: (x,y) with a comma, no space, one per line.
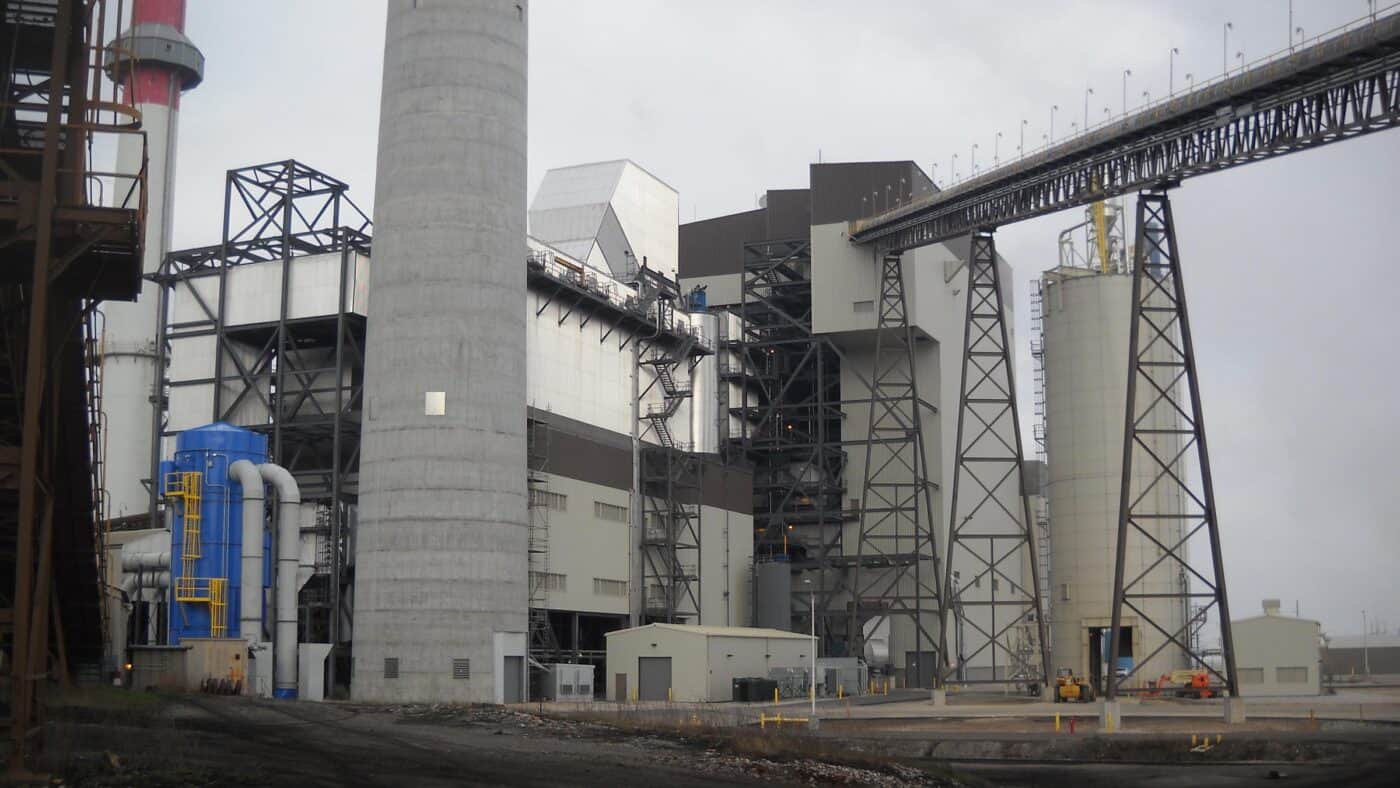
(1193,740)
(1218,737)
(668,694)
(780,719)
(762,720)
(840,691)
(775,696)
(1057,723)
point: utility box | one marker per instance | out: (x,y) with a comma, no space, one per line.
(568,682)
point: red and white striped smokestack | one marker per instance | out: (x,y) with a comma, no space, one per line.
(154,63)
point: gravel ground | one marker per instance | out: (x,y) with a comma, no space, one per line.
(218,741)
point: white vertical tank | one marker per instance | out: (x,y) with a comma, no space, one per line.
(441,569)
(1086,322)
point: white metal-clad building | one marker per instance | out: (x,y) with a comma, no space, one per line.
(696,663)
(1277,654)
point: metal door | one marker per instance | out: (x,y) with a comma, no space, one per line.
(653,677)
(620,688)
(515,679)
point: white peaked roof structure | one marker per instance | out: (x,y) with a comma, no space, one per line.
(610,215)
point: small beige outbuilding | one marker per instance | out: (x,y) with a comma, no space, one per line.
(696,663)
(1277,654)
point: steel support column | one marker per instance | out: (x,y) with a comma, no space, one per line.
(896,571)
(990,529)
(1164,447)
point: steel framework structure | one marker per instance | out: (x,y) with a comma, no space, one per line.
(897,569)
(1161,359)
(789,383)
(303,383)
(990,521)
(1333,91)
(63,248)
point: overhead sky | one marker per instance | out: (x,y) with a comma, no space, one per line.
(1288,263)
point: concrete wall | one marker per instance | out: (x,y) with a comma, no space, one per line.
(441,545)
(1265,644)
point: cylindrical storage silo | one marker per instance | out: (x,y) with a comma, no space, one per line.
(440,564)
(206,529)
(773,593)
(1086,325)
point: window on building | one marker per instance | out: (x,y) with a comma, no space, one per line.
(544,499)
(1291,675)
(1064,592)
(608,511)
(862,306)
(1251,675)
(549,581)
(602,586)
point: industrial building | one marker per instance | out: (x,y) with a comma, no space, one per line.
(678,663)
(1278,654)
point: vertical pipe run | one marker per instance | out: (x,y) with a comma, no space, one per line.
(284,680)
(250,596)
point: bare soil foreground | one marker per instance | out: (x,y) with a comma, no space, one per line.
(137,739)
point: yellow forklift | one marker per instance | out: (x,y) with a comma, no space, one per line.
(1072,689)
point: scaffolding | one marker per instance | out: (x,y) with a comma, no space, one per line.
(789,414)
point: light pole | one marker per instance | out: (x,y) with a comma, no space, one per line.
(1087,93)
(1225,48)
(1191,81)
(1053,107)
(1301,37)
(1240,57)
(996,150)
(1290,25)
(1146,97)
(972,163)
(1127,72)
(934,176)
(812,590)
(1365,652)
(1021,149)
(954,168)
(1171,71)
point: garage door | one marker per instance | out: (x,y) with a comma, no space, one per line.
(653,677)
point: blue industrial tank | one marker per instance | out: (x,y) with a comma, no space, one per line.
(206,531)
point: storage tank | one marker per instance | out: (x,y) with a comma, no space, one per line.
(1086,326)
(206,530)
(440,565)
(774,593)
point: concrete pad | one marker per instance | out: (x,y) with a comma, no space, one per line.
(1110,716)
(1234,711)
(939,697)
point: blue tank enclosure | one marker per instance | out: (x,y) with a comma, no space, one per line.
(206,533)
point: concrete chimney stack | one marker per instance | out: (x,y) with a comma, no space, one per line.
(154,63)
(441,594)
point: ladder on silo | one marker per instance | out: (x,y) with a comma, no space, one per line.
(93,357)
(186,490)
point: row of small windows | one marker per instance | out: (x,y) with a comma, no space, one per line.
(1281,675)
(549,581)
(544,499)
(608,511)
(605,587)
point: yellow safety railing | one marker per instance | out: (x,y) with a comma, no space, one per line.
(186,490)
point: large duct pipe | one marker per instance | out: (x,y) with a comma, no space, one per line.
(284,643)
(135,562)
(133,582)
(250,596)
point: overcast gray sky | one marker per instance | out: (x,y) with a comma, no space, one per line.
(1288,264)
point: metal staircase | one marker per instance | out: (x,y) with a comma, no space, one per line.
(544,644)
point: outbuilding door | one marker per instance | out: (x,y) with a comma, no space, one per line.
(653,678)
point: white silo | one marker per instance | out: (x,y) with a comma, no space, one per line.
(441,572)
(1085,336)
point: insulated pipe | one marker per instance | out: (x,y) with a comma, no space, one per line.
(135,562)
(284,651)
(250,596)
(132,582)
